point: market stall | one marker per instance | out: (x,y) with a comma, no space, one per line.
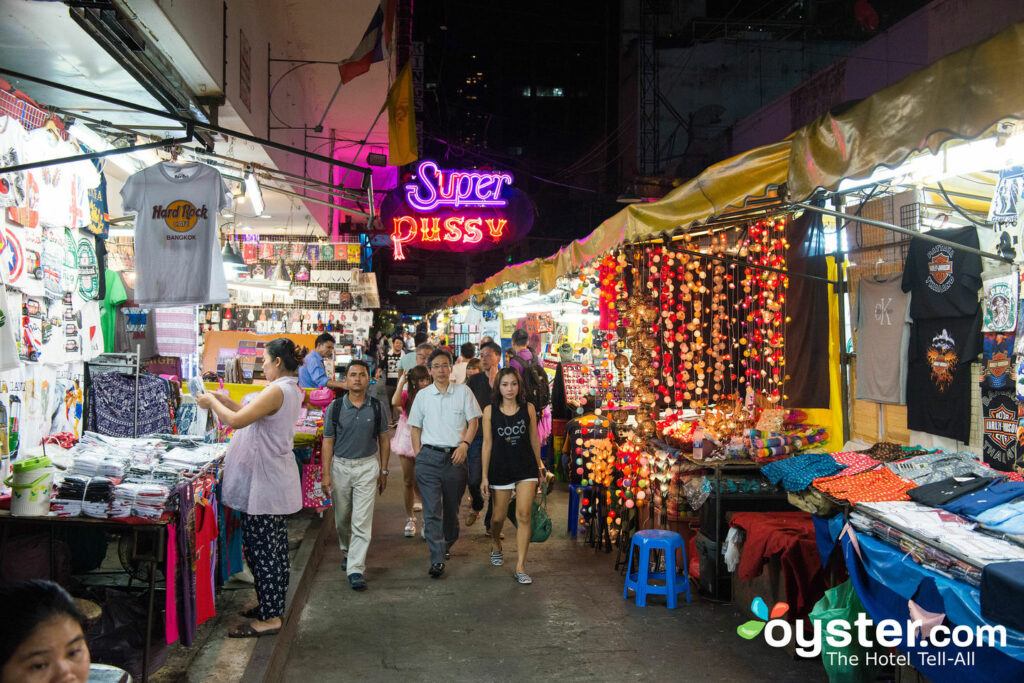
(122,287)
(758,317)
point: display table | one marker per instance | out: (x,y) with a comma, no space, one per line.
(135,527)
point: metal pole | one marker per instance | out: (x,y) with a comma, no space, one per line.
(904,231)
(98,155)
(213,128)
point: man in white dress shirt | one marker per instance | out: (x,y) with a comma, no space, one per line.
(443,421)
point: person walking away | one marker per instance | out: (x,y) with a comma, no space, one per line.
(401,443)
(312,374)
(356,428)
(511,461)
(443,419)
(390,365)
(466,353)
(261,480)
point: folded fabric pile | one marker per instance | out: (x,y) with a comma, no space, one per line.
(797,473)
(122,501)
(933,467)
(98,493)
(974,504)
(855,462)
(1007,518)
(150,500)
(68,501)
(886,451)
(765,445)
(86,465)
(879,484)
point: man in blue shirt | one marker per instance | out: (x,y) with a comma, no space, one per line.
(312,374)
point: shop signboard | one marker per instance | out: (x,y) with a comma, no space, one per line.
(455,210)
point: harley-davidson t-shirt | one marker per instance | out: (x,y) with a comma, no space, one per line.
(177,258)
(944,281)
(939,380)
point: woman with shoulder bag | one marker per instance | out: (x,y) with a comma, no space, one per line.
(511,462)
(401,443)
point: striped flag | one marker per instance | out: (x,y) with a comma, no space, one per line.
(376,45)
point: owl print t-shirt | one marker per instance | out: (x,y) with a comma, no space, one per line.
(939,379)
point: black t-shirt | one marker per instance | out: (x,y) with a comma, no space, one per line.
(943,281)
(481,389)
(391,370)
(999,416)
(939,375)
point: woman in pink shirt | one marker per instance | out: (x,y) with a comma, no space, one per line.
(261,479)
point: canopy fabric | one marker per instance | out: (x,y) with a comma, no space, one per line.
(729,184)
(962,95)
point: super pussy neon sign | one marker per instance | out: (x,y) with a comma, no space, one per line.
(455,210)
(438,187)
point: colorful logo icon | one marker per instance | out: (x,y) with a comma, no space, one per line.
(753,628)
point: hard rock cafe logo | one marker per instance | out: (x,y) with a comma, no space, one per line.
(180,215)
(1001,426)
(942,358)
(940,268)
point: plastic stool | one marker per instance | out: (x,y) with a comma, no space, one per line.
(574,507)
(657,539)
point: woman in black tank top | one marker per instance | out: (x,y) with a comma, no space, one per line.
(511,462)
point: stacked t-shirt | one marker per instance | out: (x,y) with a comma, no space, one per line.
(882,321)
(946,335)
(177,255)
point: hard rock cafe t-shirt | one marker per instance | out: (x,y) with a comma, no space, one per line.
(177,256)
(939,380)
(944,281)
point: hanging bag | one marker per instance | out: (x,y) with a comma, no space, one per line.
(540,523)
(313,494)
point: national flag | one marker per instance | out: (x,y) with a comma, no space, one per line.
(402,144)
(376,45)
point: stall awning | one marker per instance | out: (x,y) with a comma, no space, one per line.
(727,185)
(958,97)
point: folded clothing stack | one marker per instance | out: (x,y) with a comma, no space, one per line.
(165,475)
(123,500)
(68,501)
(98,494)
(86,465)
(150,500)
(112,468)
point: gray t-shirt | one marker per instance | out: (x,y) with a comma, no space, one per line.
(134,325)
(177,256)
(882,321)
(356,426)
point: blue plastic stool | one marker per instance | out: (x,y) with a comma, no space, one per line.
(644,542)
(574,507)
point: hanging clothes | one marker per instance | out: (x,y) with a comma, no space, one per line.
(112,405)
(177,255)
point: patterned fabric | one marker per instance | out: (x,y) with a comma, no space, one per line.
(933,467)
(886,451)
(867,487)
(265,541)
(113,405)
(797,473)
(855,463)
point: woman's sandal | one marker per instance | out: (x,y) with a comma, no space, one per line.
(247,631)
(522,578)
(497,558)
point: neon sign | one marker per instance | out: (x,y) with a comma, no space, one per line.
(455,210)
(463,188)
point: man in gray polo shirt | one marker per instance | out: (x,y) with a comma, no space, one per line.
(443,421)
(356,428)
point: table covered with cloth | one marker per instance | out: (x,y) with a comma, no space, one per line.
(789,536)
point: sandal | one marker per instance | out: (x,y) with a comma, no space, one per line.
(497,559)
(251,613)
(247,631)
(522,578)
